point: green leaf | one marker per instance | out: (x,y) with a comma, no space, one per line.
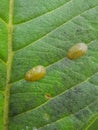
(40,32)
(94,125)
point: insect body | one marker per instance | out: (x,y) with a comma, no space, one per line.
(77,51)
(35,73)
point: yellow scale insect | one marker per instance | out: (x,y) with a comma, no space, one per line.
(77,51)
(35,73)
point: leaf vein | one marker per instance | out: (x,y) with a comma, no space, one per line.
(86,80)
(68,115)
(23,22)
(54,29)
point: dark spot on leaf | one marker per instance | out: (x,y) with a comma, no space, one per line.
(65,32)
(14,112)
(78,115)
(78,30)
(77,90)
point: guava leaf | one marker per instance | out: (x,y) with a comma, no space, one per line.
(94,125)
(40,32)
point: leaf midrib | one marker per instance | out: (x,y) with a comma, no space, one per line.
(10,54)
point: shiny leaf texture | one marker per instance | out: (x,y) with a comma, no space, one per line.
(40,32)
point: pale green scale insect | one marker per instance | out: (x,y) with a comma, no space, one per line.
(77,51)
(35,73)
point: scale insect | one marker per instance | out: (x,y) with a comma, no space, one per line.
(77,51)
(35,73)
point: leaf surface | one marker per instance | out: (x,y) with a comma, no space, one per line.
(37,32)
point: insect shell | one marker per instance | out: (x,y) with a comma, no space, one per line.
(77,51)
(48,96)
(35,73)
